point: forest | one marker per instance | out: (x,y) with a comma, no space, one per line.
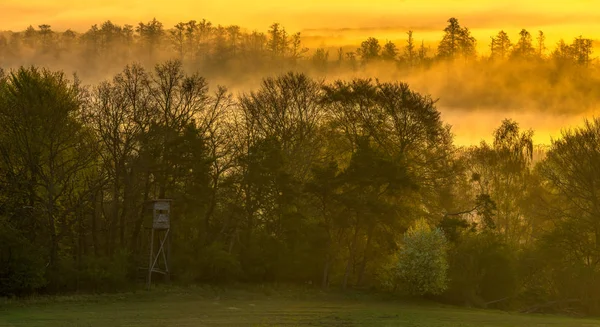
(328,167)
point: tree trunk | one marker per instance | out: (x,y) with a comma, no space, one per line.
(351,256)
(140,220)
(115,209)
(325,280)
(209,212)
(52,226)
(347,272)
(94,223)
(363,264)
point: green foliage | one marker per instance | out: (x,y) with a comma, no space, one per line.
(105,273)
(22,266)
(423,262)
(92,273)
(573,243)
(299,181)
(482,269)
(210,264)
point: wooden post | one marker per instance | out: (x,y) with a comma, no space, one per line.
(151,258)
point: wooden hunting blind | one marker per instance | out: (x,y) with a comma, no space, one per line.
(161,214)
(161,227)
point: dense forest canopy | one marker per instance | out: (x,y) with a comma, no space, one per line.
(336,168)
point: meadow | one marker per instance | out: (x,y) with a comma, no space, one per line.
(259,306)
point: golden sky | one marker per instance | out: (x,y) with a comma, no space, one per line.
(344,19)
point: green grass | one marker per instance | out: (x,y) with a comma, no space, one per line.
(207,306)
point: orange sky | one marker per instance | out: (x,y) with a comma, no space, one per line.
(345,20)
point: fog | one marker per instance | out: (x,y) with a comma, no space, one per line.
(544,94)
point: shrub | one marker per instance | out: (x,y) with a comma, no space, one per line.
(423,263)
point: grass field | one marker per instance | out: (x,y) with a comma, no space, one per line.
(258,307)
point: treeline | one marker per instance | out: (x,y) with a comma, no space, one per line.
(296,181)
(202,44)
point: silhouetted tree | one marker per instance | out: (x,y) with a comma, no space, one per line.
(500,46)
(389,52)
(369,50)
(457,41)
(410,51)
(523,48)
(541,44)
(151,35)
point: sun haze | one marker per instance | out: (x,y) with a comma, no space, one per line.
(558,18)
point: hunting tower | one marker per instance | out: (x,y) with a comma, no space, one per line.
(160,230)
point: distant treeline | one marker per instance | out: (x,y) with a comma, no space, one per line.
(296,181)
(203,44)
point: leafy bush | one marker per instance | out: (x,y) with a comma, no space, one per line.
(423,263)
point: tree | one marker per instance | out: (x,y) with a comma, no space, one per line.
(582,49)
(220,49)
(178,39)
(410,50)
(276,145)
(234,36)
(320,59)
(390,51)
(3,47)
(68,38)
(502,173)
(563,52)
(47,153)
(541,44)
(457,41)
(278,42)
(204,30)
(46,36)
(21,262)
(120,114)
(422,52)
(369,50)
(523,48)
(571,170)
(340,55)
(191,37)
(296,50)
(286,109)
(151,35)
(397,145)
(422,262)
(30,37)
(500,46)
(467,44)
